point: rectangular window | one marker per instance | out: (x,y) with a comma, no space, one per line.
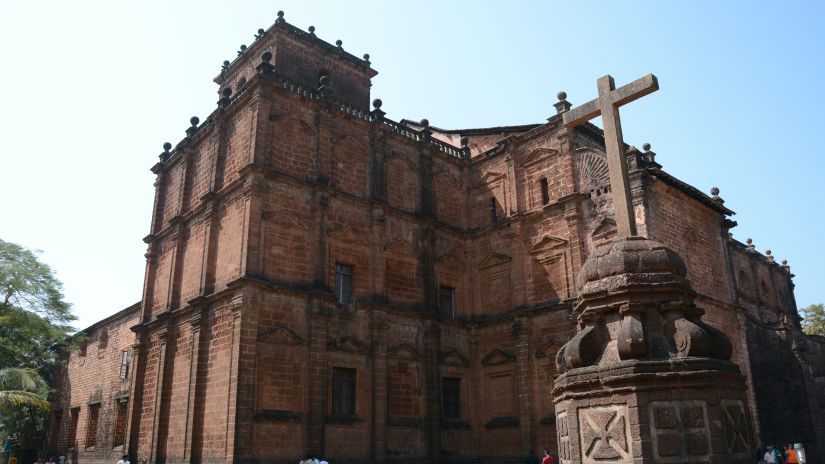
(451,398)
(120,423)
(545,192)
(343,392)
(493,211)
(74,416)
(445,301)
(125,362)
(91,425)
(343,283)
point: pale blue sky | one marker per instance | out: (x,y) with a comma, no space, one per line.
(91,90)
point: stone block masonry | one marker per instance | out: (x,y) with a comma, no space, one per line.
(321,279)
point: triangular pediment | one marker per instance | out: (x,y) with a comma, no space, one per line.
(548,243)
(287,217)
(453,358)
(605,228)
(539,154)
(548,348)
(280,336)
(497,357)
(404,351)
(347,344)
(346,234)
(490,178)
(401,246)
(449,261)
(493,259)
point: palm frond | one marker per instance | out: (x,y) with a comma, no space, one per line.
(15,378)
(23,398)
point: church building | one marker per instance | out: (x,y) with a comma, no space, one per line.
(323,280)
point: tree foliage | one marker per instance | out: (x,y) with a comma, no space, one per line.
(33,315)
(34,319)
(23,387)
(813,322)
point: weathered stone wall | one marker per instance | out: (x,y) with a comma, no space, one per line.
(240,329)
(92,378)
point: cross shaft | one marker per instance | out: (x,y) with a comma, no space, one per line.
(607,106)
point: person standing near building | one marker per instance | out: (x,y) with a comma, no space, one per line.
(124,459)
(769,457)
(547,458)
(792,456)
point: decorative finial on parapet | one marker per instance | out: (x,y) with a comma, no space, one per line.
(465,141)
(242,50)
(769,255)
(311,30)
(750,245)
(651,156)
(367,59)
(339,43)
(425,128)
(166,153)
(376,109)
(225,94)
(786,266)
(562,106)
(265,67)
(225,66)
(280,18)
(714,193)
(193,129)
(259,34)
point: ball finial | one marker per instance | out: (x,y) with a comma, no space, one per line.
(266,56)
(194,121)
(167,146)
(465,141)
(562,95)
(311,29)
(280,14)
(749,241)
(339,42)
(646,146)
(784,262)
(366,56)
(377,103)
(714,191)
(243,47)
(227,91)
(261,31)
(226,63)
(425,123)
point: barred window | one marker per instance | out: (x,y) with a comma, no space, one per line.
(343,283)
(343,392)
(125,363)
(545,191)
(445,300)
(451,398)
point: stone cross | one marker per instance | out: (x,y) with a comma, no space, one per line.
(607,105)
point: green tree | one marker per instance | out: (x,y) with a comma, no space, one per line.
(34,319)
(23,387)
(33,315)
(813,319)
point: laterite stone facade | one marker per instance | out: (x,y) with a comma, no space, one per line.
(323,280)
